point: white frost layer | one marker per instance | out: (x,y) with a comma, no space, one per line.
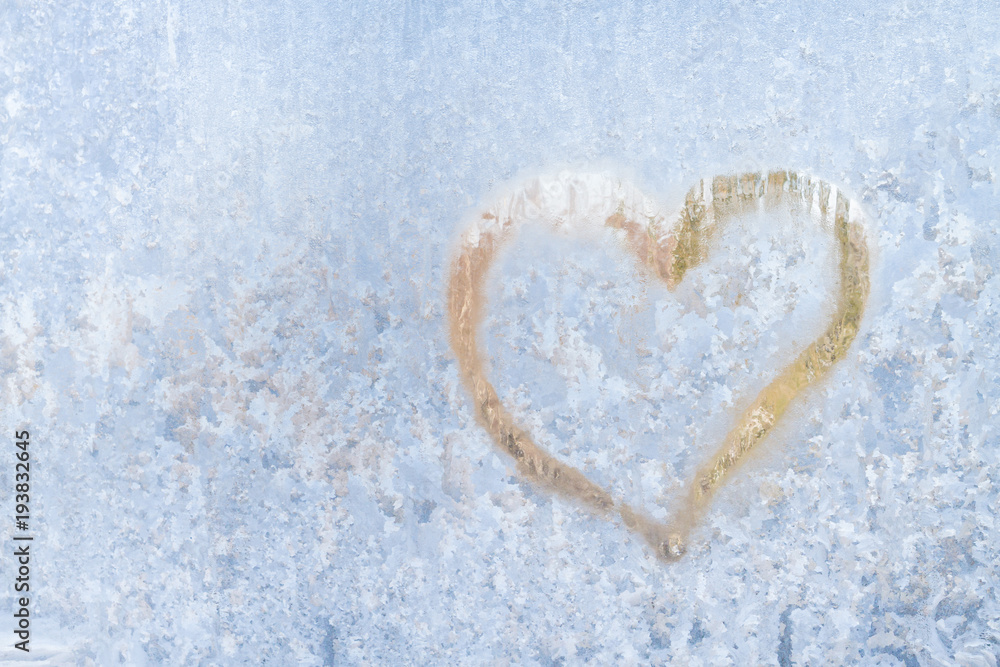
(224,236)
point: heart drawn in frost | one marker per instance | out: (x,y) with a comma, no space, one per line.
(667,245)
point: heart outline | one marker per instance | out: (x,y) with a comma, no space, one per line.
(568,200)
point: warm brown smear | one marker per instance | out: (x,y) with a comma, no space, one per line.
(669,253)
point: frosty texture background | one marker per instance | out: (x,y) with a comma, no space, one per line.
(225,234)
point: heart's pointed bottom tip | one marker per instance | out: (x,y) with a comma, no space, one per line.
(672,548)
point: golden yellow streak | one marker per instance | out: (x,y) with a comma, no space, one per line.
(669,256)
